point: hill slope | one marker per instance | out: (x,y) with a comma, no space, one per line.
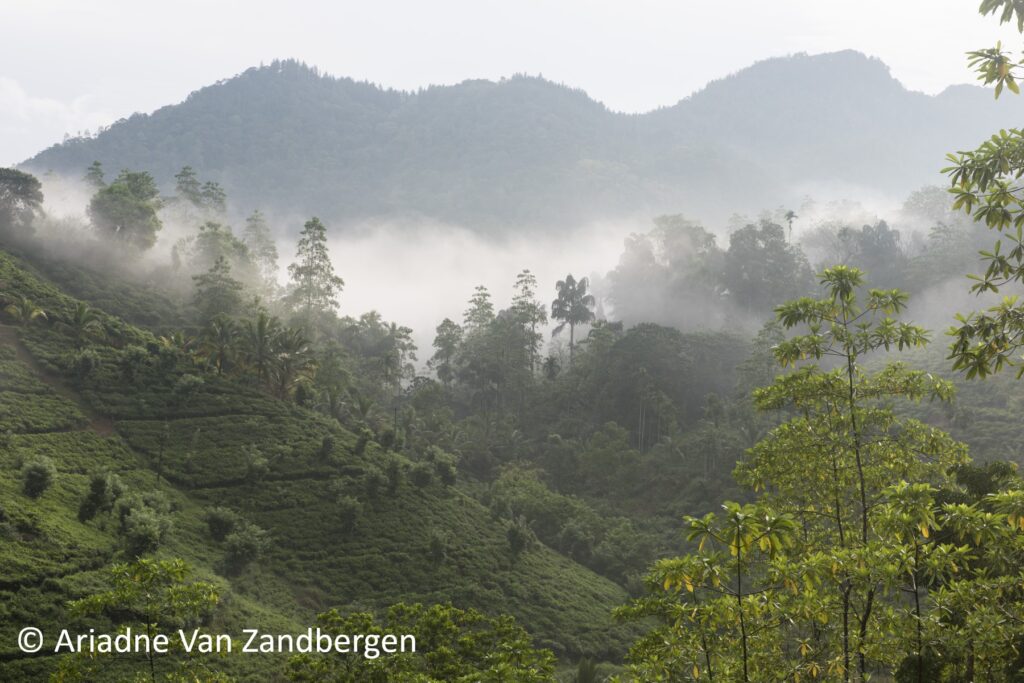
(131,416)
(525,151)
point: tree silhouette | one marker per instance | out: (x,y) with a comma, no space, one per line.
(573,307)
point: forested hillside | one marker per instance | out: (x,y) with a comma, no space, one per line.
(321,517)
(525,152)
(298,460)
(772,448)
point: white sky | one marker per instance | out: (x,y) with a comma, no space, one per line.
(71,65)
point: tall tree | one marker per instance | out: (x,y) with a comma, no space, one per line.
(94,176)
(262,250)
(294,361)
(986,185)
(219,342)
(446,343)
(260,336)
(480,312)
(21,198)
(573,307)
(187,186)
(213,196)
(315,287)
(217,293)
(126,209)
(530,312)
(761,268)
(845,596)
(84,323)
(152,596)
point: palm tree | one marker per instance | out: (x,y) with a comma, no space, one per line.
(219,342)
(361,405)
(84,323)
(24,311)
(790,216)
(293,360)
(573,307)
(260,336)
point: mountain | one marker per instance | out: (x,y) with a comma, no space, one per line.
(527,152)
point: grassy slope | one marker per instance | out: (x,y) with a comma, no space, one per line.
(48,557)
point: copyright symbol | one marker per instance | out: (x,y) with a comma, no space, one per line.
(30,640)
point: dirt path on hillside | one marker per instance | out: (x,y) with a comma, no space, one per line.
(98,423)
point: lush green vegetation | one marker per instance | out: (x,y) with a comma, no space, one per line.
(183,440)
(188,442)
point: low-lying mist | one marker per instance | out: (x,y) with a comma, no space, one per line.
(416,273)
(419,274)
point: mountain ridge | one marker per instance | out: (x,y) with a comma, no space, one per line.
(528,152)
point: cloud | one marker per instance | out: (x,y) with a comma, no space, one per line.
(29,123)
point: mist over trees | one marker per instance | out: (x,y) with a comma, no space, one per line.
(738,455)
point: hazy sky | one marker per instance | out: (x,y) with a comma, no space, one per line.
(70,65)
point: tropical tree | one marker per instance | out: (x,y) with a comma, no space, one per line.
(397,357)
(294,360)
(985,185)
(151,596)
(710,604)
(208,195)
(856,447)
(216,292)
(262,251)
(94,176)
(446,343)
(23,310)
(21,198)
(259,341)
(573,307)
(530,312)
(84,323)
(219,343)
(315,287)
(480,311)
(761,268)
(860,483)
(187,186)
(126,209)
(333,380)
(789,217)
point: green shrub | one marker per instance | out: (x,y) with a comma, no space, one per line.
(144,522)
(186,386)
(243,546)
(349,511)
(145,530)
(104,491)
(222,522)
(37,475)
